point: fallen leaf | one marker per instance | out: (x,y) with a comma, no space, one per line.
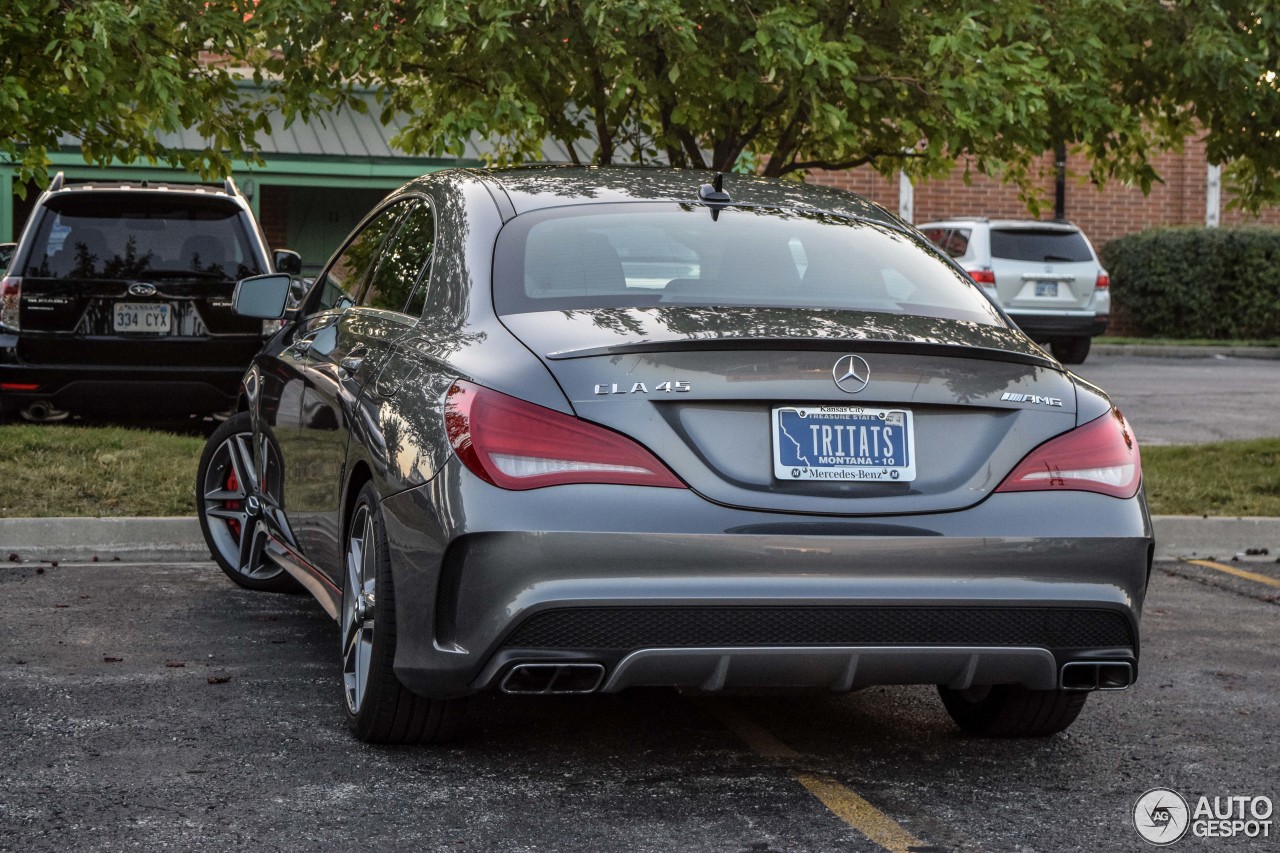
(61,605)
(218,679)
(174,663)
(110,659)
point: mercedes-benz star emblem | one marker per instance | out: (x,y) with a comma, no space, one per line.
(142,289)
(852,373)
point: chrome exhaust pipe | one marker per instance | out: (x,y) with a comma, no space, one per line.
(41,412)
(1096,675)
(552,679)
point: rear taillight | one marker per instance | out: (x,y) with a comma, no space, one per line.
(518,445)
(983,277)
(1101,456)
(1103,281)
(10,296)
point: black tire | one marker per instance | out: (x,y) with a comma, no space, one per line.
(1071,350)
(1007,710)
(225,480)
(379,708)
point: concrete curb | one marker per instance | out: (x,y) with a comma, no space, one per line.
(1176,351)
(157,540)
(1179,536)
(151,540)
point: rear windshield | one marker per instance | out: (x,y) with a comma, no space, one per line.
(127,235)
(1039,245)
(642,255)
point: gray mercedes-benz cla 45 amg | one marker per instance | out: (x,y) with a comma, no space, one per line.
(561,430)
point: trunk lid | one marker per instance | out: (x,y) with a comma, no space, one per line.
(698,387)
(137,276)
(103,321)
(1043,268)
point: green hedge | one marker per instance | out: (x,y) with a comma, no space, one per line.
(1217,283)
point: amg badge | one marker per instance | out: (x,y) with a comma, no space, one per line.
(1031,398)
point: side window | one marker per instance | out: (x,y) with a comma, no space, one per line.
(936,236)
(340,284)
(953,241)
(957,244)
(403,261)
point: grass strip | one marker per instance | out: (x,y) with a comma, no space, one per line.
(1226,478)
(63,470)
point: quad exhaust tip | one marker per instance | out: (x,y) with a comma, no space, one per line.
(1099,675)
(552,679)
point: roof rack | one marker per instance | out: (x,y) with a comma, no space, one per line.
(56,183)
(230,186)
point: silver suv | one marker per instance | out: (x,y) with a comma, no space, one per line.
(1046,275)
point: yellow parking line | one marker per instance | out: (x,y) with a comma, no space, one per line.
(842,802)
(1240,573)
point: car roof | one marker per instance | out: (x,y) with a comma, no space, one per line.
(129,186)
(537,187)
(970,221)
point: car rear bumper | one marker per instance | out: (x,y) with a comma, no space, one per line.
(161,379)
(1062,324)
(120,390)
(677,591)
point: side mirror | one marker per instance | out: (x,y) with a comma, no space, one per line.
(262,296)
(287,261)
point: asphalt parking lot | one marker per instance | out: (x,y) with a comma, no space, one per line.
(116,739)
(1190,400)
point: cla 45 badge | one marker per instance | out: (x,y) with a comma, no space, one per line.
(670,387)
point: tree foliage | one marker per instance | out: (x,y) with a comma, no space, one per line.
(783,86)
(119,76)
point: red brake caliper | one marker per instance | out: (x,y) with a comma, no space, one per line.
(233,485)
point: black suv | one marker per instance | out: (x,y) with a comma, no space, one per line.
(117,301)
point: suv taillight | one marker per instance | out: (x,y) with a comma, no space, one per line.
(514,444)
(983,277)
(10,297)
(1103,282)
(1101,456)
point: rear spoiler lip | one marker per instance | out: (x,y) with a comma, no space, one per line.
(814,344)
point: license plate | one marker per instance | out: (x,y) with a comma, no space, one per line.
(1046,288)
(843,443)
(141,317)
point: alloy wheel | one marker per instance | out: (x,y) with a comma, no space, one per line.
(358,607)
(233,493)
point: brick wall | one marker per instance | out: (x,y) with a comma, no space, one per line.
(1104,214)
(273,214)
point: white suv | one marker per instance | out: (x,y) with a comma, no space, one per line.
(1046,275)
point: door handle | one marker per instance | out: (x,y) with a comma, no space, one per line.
(354,359)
